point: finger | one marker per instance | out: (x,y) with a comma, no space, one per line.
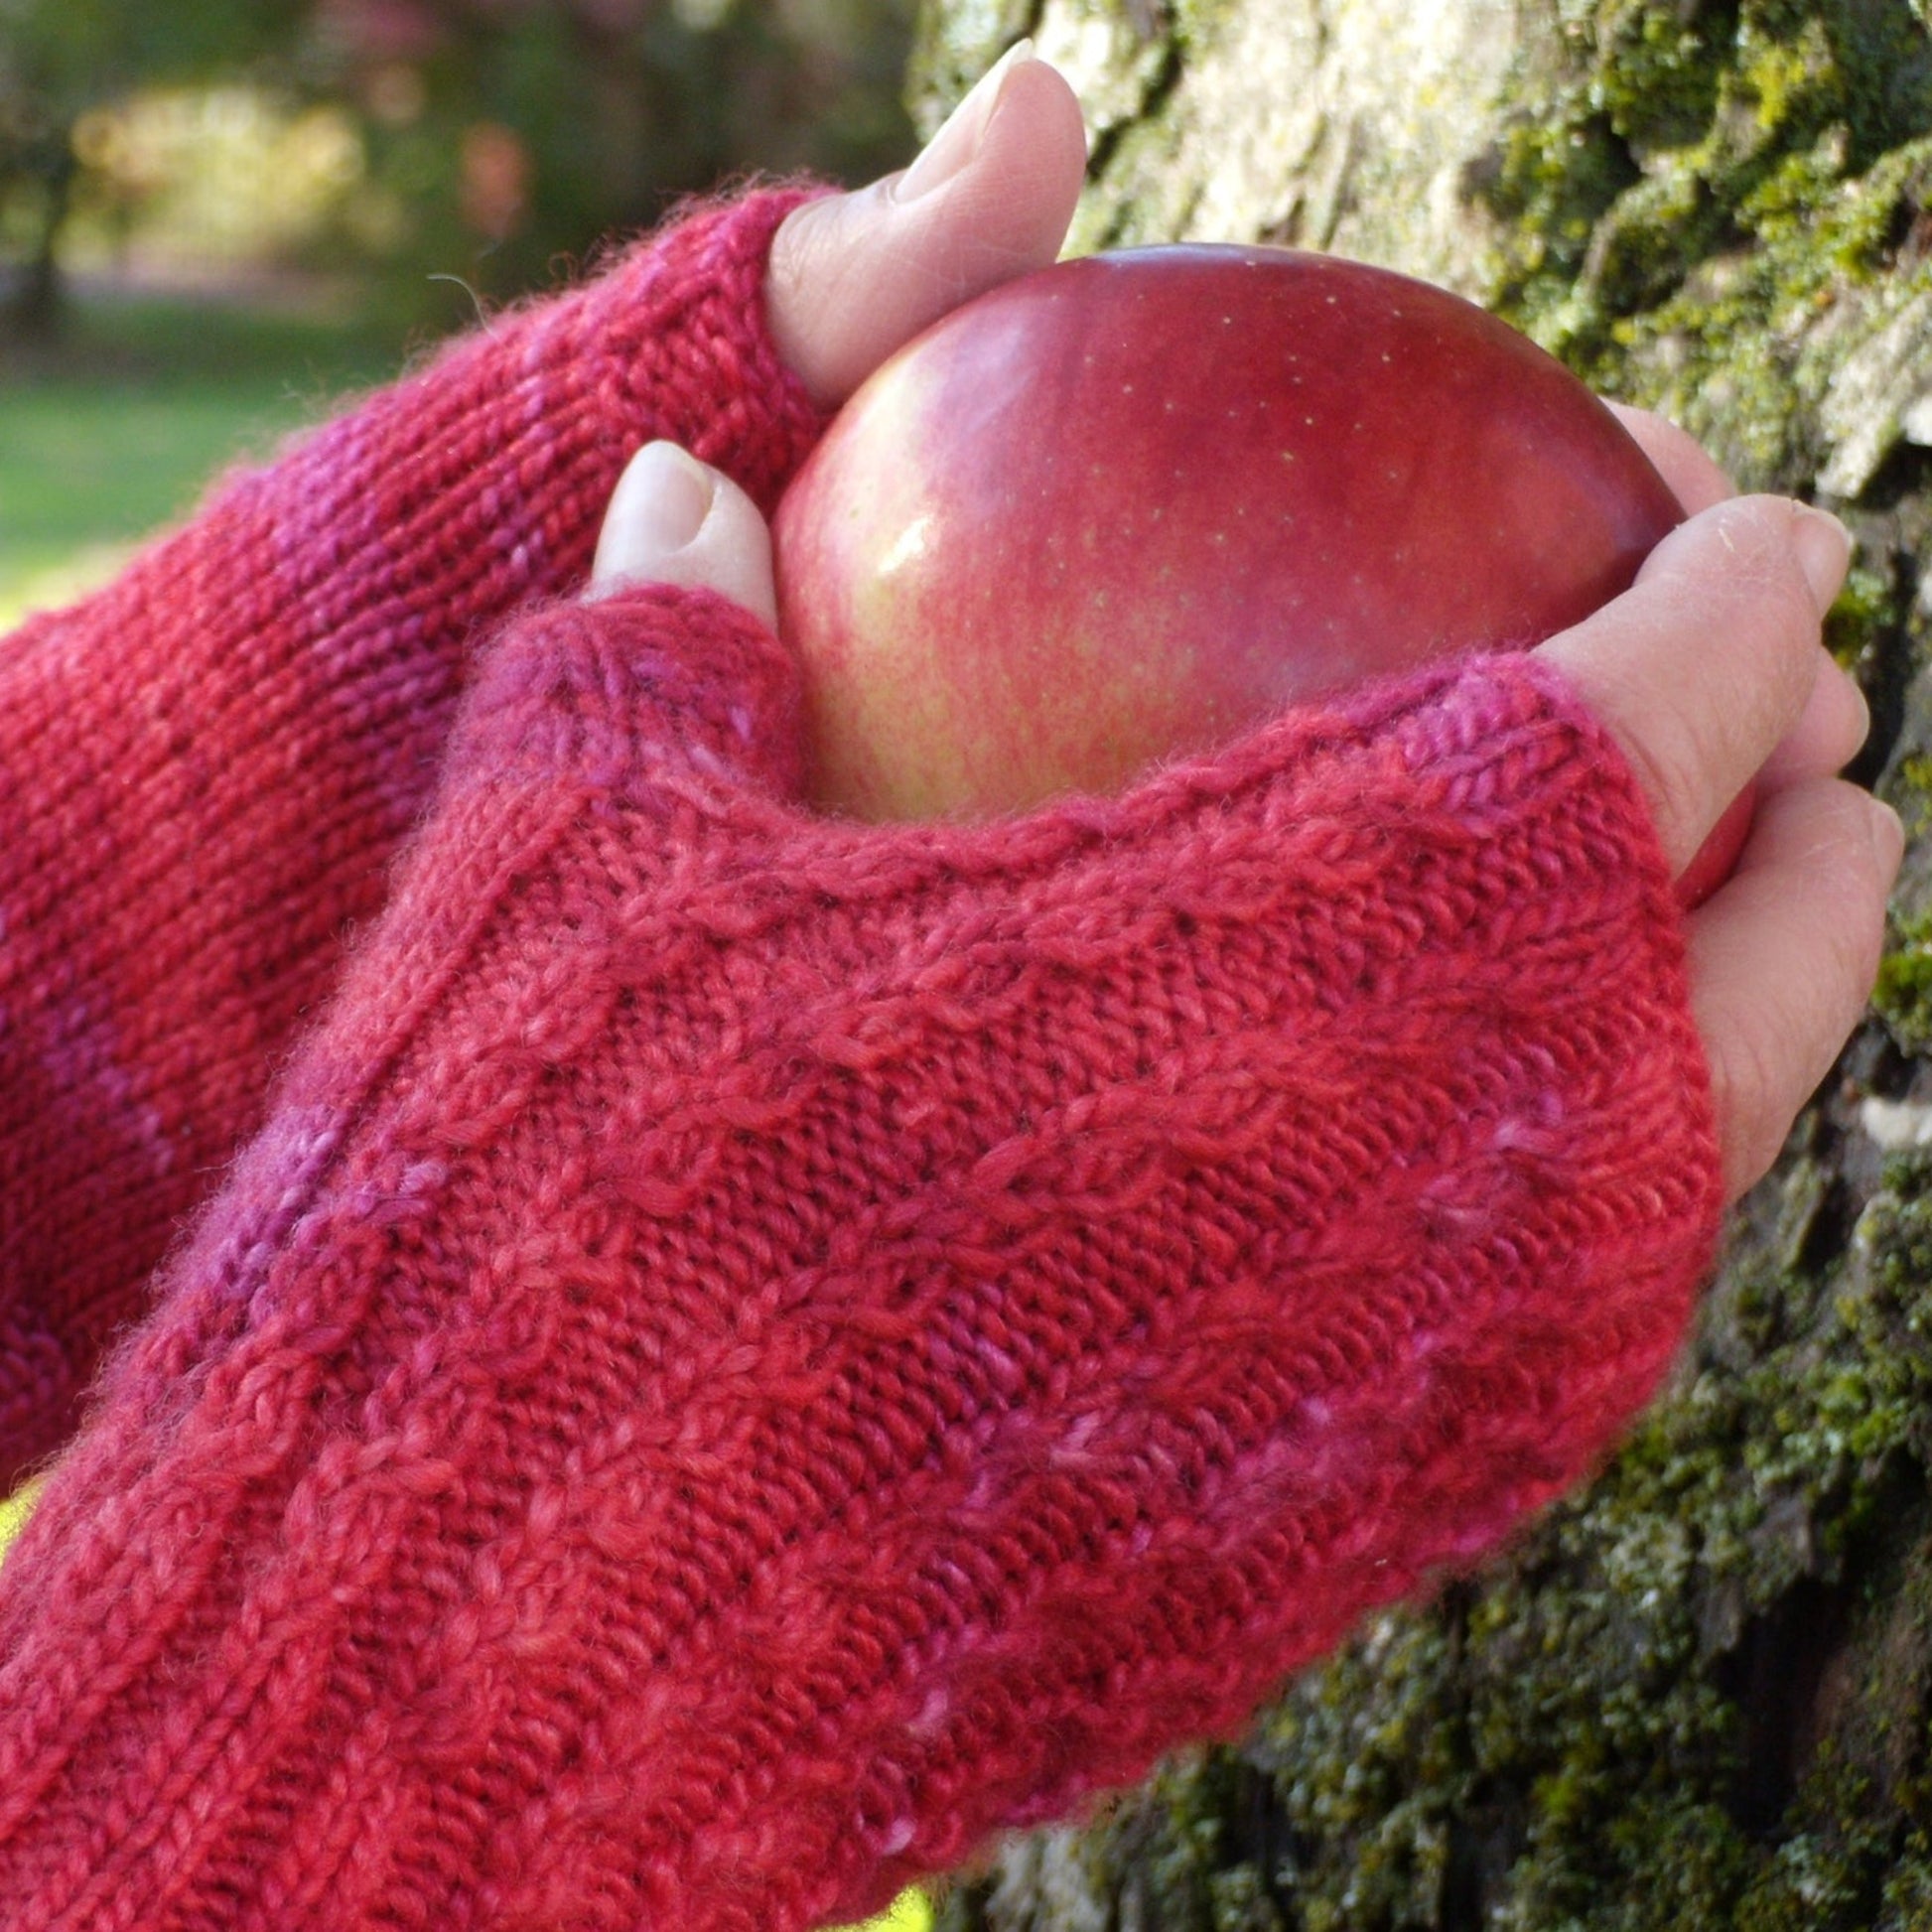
(675,520)
(855,276)
(1707,662)
(1678,456)
(1784,958)
(1827,736)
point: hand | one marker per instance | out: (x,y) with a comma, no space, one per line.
(1709,670)
(854,276)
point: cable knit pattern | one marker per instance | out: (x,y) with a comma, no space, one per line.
(753,1351)
(205,768)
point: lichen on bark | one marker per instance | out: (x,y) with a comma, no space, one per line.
(1696,1695)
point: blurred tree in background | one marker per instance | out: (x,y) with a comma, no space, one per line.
(404,140)
(218,216)
(61,60)
(503,132)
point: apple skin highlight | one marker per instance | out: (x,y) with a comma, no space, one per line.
(1117,510)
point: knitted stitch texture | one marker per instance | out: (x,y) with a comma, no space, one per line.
(205,769)
(753,1351)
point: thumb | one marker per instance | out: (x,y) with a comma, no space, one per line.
(675,520)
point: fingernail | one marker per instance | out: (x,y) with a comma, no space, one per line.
(660,504)
(1887,838)
(1824,548)
(965,127)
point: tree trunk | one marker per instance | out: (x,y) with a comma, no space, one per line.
(34,308)
(1696,1695)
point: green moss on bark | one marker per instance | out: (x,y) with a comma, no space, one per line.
(1904,992)
(1685,196)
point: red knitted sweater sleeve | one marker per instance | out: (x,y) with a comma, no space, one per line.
(754,1352)
(205,768)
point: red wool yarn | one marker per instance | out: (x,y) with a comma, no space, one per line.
(205,769)
(754,1352)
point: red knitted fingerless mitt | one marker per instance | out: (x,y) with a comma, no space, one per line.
(205,770)
(753,1351)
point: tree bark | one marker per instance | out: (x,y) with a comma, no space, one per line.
(1700,1694)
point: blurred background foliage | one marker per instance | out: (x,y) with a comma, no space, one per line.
(217,214)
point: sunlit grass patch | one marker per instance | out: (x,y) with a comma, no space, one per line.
(33,579)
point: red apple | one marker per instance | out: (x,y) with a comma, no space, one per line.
(1121,508)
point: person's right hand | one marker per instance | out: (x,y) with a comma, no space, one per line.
(1709,672)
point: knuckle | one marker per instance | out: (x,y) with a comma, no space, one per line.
(1757,535)
(1748,1086)
(1664,747)
(1863,889)
(1845,894)
(1668,763)
(1802,967)
(1747,602)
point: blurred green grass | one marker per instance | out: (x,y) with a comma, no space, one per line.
(116,432)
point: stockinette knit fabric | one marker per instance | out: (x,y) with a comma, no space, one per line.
(753,1351)
(205,768)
